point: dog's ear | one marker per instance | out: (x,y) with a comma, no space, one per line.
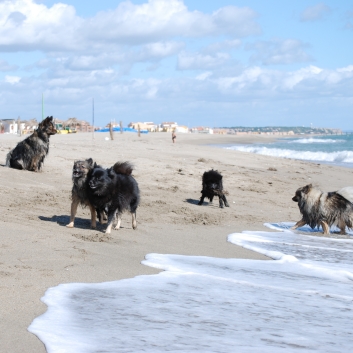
(95,165)
(90,162)
(307,188)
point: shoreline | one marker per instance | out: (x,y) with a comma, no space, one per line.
(37,250)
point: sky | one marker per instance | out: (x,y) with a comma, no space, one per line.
(199,63)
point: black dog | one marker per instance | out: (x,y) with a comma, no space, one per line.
(80,172)
(116,190)
(29,154)
(211,186)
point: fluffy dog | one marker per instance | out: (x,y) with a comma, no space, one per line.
(325,208)
(212,185)
(80,172)
(29,154)
(116,190)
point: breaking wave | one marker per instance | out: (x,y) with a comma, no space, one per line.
(314,140)
(330,157)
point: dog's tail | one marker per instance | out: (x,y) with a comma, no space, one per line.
(125,168)
(347,193)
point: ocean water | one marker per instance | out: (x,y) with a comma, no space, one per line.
(333,149)
(301,301)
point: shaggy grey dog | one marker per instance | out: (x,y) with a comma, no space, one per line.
(29,154)
(325,208)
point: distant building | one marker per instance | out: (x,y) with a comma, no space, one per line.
(181,128)
(147,125)
(220,131)
(169,126)
(201,130)
(10,126)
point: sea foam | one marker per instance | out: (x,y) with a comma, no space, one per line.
(299,302)
(334,157)
(315,140)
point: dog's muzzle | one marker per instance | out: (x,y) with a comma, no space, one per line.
(295,199)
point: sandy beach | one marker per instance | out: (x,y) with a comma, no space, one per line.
(37,251)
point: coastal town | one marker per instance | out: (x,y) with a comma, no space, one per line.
(74,125)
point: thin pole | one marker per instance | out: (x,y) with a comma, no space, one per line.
(93,118)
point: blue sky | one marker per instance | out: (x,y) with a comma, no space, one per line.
(214,63)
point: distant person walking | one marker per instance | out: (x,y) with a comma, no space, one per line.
(173,136)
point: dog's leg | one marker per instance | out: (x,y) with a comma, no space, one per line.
(102,218)
(225,200)
(119,221)
(201,200)
(74,205)
(93,216)
(211,198)
(134,223)
(342,227)
(299,224)
(325,227)
(220,202)
(111,218)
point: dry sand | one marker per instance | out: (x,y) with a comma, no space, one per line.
(37,251)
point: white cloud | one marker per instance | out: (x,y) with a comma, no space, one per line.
(315,13)
(12,79)
(69,93)
(27,25)
(279,51)
(204,76)
(222,46)
(198,61)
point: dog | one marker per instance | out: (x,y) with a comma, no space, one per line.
(116,190)
(29,154)
(80,172)
(212,186)
(325,208)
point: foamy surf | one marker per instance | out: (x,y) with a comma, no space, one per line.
(301,301)
(333,157)
(315,140)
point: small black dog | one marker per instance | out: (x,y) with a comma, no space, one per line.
(80,172)
(29,154)
(116,190)
(211,186)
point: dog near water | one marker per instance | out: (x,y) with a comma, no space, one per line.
(80,172)
(116,190)
(212,186)
(29,154)
(325,208)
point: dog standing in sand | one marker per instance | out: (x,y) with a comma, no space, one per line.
(212,186)
(116,190)
(80,172)
(325,208)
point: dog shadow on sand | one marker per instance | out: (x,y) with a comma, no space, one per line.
(63,220)
(196,202)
